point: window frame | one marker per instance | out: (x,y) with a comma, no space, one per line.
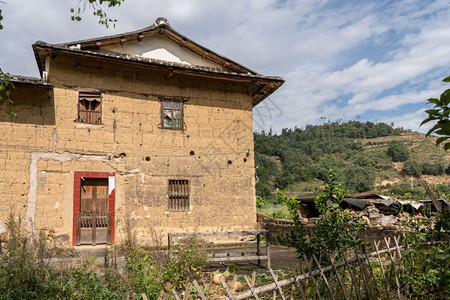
(90,112)
(179,199)
(172,109)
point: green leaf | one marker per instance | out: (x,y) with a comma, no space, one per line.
(441,139)
(433,112)
(446,112)
(447,146)
(440,132)
(435,127)
(72,10)
(428,120)
(445,97)
(433,100)
(447,79)
(442,256)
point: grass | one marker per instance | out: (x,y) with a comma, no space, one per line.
(277,211)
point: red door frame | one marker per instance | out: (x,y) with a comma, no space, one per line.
(77,199)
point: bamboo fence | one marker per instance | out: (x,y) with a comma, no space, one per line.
(358,275)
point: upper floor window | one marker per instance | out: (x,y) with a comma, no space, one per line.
(89,108)
(172,114)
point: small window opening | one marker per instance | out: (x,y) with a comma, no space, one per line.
(89,108)
(178,193)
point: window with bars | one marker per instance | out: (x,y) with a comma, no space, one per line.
(178,195)
(172,114)
(89,108)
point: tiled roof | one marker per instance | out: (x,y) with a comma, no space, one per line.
(146,60)
(28,80)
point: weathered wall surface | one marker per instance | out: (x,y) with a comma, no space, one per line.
(41,150)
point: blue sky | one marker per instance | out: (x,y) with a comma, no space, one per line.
(366,60)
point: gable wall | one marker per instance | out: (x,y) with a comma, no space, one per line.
(160,47)
(218,132)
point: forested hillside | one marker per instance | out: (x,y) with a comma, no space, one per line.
(366,157)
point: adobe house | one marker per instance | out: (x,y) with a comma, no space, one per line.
(145,130)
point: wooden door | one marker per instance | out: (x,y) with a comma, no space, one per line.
(93,218)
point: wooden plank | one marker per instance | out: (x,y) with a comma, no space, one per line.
(387,241)
(322,273)
(175,294)
(432,196)
(258,247)
(225,286)
(275,280)
(352,277)
(187,292)
(169,244)
(364,274)
(250,285)
(383,276)
(374,280)
(217,234)
(341,285)
(309,263)
(108,233)
(199,290)
(238,258)
(161,295)
(226,254)
(302,291)
(78,228)
(94,227)
(266,234)
(233,283)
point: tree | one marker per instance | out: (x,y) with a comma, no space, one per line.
(412,168)
(397,151)
(94,5)
(440,113)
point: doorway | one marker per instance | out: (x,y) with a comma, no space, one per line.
(93,209)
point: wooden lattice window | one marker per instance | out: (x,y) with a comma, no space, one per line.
(89,108)
(172,114)
(178,195)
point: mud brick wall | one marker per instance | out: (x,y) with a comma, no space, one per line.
(44,146)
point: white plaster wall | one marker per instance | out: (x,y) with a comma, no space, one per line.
(160,47)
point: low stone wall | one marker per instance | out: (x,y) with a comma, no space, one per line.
(278,228)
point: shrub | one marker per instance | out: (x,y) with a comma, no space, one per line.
(335,230)
(397,151)
(429,168)
(429,264)
(24,274)
(260,202)
(412,168)
(185,263)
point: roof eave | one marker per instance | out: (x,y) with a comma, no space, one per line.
(263,85)
(34,81)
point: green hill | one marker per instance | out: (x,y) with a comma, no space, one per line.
(366,156)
